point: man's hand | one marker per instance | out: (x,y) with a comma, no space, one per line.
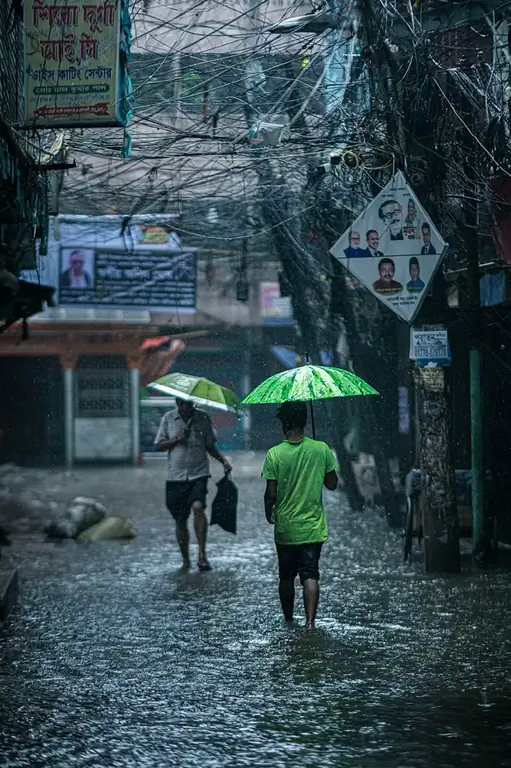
(270,498)
(227,466)
(169,445)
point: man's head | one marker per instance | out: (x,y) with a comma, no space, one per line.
(185,408)
(411,209)
(355,239)
(414,268)
(293,417)
(373,239)
(426,233)
(387,270)
(77,261)
(391,214)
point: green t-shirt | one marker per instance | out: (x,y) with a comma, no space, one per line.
(299,469)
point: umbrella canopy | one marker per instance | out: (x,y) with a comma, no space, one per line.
(198,390)
(307,383)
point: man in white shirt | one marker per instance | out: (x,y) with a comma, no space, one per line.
(187,435)
(76,276)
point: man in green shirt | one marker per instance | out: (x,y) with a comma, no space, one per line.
(295,472)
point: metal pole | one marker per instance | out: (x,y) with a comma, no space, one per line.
(476,388)
(476,419)
(135,414)
(68,416)
(246,420)
(313,424)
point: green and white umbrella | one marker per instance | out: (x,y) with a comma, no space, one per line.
(308,383)
(197,390)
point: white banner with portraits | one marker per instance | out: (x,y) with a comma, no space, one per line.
(393,248)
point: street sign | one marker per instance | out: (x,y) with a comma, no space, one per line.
(430,347)
(393,248)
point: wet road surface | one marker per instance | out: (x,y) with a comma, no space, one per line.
(114,659)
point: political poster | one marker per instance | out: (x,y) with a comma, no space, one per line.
(72,62)
(393,248)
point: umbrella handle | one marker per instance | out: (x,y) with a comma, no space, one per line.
(313,425)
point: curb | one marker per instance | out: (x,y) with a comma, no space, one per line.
(9,590)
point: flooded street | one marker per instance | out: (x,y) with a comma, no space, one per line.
(114,659)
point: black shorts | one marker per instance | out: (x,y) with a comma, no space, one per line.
(181,495)
(299,558)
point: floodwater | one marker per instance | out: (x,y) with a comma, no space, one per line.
(114,660)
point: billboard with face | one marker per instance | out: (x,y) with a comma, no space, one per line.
(393,248)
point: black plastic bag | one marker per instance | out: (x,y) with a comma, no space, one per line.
(225,505)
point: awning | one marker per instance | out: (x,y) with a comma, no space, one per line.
(158,341)
(156,362)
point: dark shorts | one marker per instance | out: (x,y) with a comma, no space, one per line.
(299,558)
(181,495)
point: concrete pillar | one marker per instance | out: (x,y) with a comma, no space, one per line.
(69,416)
(135,413)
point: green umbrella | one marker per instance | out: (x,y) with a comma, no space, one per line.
(198,390)
(308,383)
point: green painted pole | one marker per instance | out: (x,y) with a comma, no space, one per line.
(476,419)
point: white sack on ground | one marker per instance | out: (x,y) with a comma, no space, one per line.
(110,528)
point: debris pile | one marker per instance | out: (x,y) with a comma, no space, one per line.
(26,507)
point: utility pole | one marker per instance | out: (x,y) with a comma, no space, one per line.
(438,492)
(476,387)
(471,247)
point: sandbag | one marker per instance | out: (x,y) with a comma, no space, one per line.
(81,514)
(109,528)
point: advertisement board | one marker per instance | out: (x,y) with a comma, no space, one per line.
(274,308)
(393,248)
(429,346)
(72,62)
(102,262)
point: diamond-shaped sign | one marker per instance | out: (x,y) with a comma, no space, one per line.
(393,248)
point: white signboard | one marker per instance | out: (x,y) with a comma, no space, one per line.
(98,262)
(72,63)
(393,248)
(274,308)
(430,346)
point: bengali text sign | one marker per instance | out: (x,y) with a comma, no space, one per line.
(72,62)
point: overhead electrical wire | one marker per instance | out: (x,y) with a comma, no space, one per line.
(182,39)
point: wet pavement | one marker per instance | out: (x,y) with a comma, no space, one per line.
(114,659)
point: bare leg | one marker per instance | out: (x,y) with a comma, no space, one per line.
(287,597)
(311,600)
(200,525)
(183,539)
